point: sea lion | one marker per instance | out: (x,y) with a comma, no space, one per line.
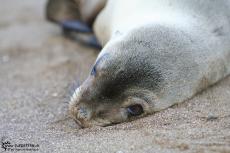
(76,18)
(155,54)
(84,10)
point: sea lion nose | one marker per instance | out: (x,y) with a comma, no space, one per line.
(81,104)
(78,107)
(82,115)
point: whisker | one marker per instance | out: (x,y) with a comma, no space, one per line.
(71,90)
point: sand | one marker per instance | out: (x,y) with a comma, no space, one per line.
(38,66)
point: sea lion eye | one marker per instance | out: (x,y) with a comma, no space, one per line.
(135,110)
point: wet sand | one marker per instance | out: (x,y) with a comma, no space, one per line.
(38,66)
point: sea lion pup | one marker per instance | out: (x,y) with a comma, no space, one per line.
(156,54)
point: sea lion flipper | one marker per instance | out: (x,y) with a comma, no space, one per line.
(94,42)
(75,25)
(66,13)
(88,39)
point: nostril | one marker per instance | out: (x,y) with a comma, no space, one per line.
(83,113)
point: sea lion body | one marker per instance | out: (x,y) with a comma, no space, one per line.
(156,54)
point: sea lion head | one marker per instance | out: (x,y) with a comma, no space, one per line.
(120,86)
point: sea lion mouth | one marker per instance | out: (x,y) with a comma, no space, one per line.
(85,117)
(84,122)
(81,123)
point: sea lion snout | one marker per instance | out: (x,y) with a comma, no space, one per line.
(89,107)
(79,107)
(80,114)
